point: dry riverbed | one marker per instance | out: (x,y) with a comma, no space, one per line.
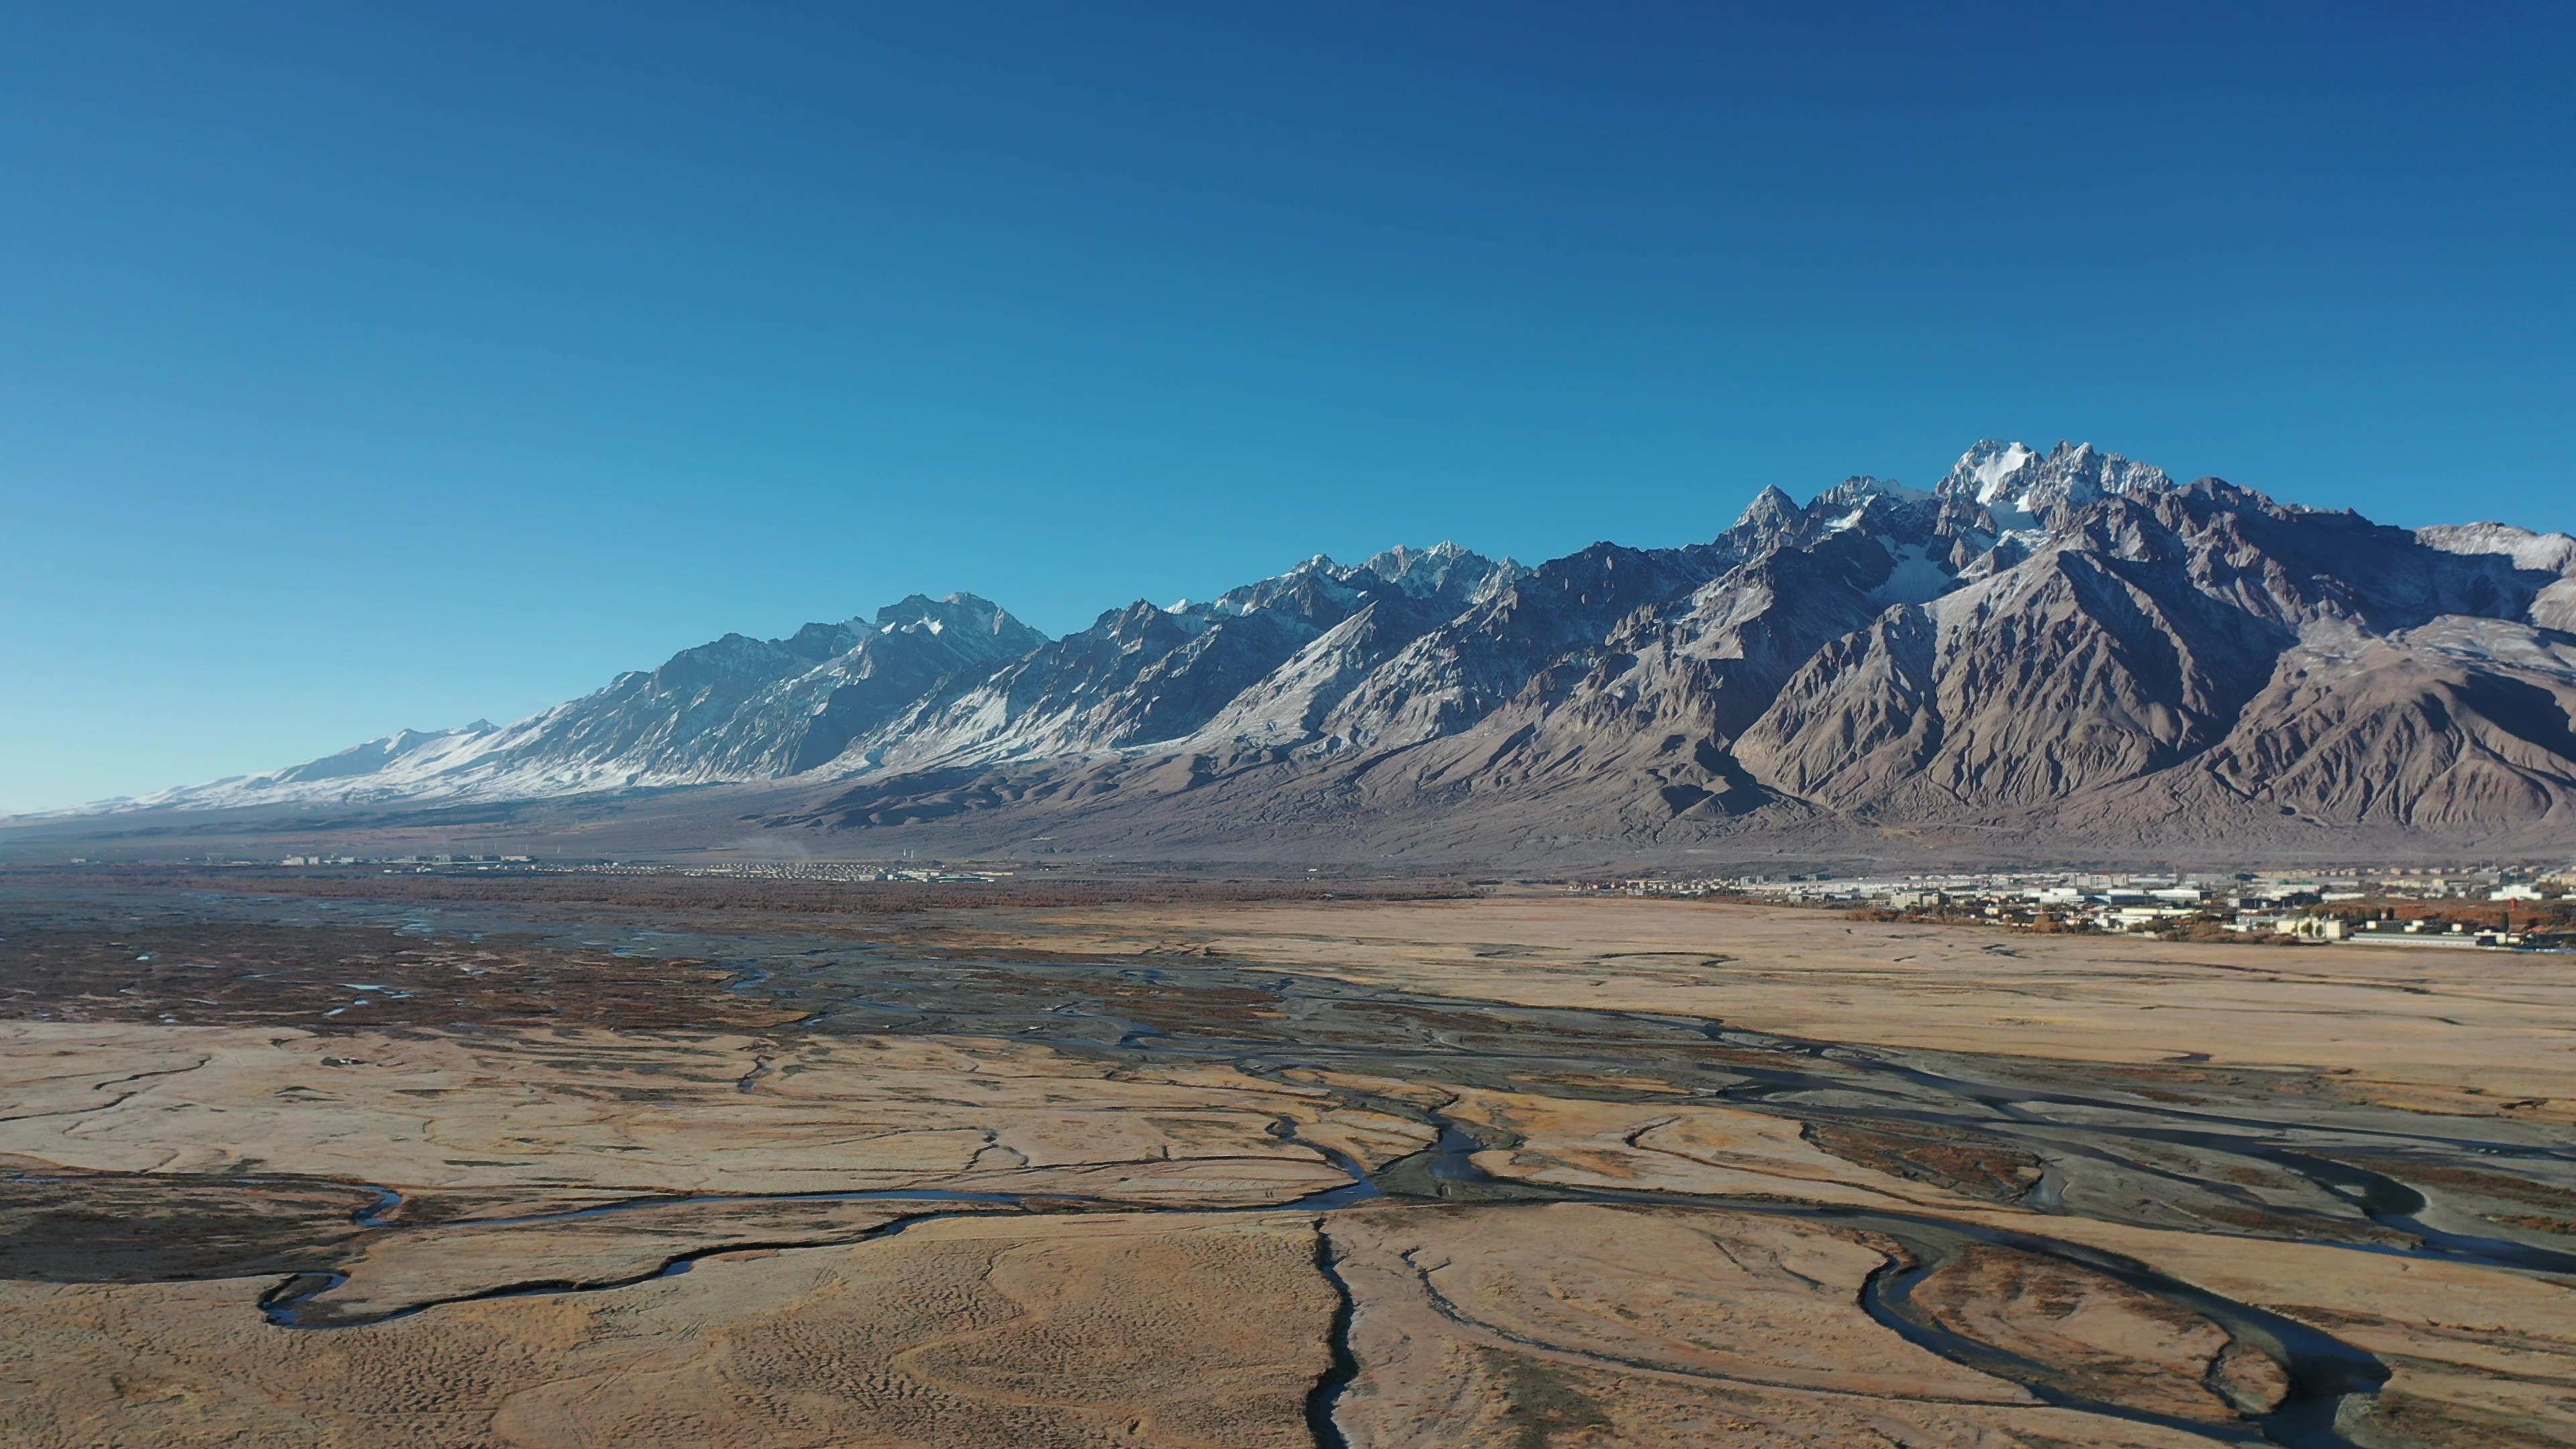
(1518,1171)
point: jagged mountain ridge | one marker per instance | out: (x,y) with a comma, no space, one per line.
(2068,640)
(735,708)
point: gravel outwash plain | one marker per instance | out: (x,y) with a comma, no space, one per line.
(1178,1169)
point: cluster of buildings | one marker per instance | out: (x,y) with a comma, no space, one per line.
(2490,906)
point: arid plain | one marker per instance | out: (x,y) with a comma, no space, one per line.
(721,1167)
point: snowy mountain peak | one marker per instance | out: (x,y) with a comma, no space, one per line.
(961,617)
(1427,572)
(1986,472)
(1396,562)
(2025,491)
(1860,488)
(1770,509)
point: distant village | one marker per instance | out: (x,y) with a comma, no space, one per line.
(2466,908)
(805,870)
(2489,906)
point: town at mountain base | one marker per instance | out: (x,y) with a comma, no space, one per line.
(2047,653)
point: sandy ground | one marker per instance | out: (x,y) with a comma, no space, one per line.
(636,1112)
(1590,1219)
(2433,1030)
(1064,1332)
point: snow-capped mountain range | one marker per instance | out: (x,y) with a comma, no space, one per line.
(2061,640)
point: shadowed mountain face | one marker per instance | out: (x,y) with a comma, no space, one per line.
(2066,644)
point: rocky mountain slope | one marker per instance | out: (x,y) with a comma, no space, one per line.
(735,709)
(2067,643)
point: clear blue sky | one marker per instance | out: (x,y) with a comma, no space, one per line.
(368,366)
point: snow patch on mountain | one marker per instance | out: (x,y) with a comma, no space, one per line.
(2027,492)
(2546,552)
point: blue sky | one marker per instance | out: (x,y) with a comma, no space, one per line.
(376,366)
